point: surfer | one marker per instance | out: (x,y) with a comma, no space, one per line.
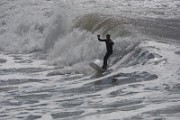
(109,47)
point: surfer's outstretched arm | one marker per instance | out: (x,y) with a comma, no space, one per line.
(103,40)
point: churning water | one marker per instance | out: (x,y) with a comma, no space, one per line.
(46,46)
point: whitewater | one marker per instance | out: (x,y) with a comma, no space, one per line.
(46,47)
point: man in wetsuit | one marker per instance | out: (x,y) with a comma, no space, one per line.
(109,47)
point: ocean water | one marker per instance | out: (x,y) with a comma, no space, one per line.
(46,47)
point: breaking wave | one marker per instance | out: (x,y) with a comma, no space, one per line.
(69,38)
(79,45)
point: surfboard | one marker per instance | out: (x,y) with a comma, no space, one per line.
(96,67)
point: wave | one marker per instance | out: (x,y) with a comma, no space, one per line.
(79,45)
(70,39)
(29,31)
(104,24)
(124,26)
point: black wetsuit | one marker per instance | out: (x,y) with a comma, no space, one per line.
(109,47)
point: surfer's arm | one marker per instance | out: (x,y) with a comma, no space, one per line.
(103,40)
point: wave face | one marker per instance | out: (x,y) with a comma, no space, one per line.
(46,47)
(80,46)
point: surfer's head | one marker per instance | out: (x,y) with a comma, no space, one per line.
(108,36)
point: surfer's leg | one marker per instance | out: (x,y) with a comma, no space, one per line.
(105,60)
